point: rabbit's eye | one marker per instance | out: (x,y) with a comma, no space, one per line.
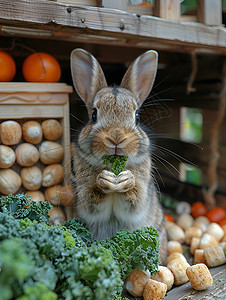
(137,117)
(94,115)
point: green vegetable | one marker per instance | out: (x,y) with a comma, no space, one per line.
(38,292)
(139,249)
(117,162)
(38,261)
(20,206)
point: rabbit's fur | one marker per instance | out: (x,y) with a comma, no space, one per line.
(105,201)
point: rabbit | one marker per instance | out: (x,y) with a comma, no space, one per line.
(105,201)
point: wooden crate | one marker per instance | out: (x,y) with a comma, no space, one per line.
(38,101)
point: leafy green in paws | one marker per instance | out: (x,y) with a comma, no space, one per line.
(117,162)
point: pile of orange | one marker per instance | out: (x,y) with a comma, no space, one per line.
(7,67)
(37,67)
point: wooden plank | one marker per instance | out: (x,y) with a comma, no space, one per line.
(216,291)
(210,12)
(81,2)
(105,22)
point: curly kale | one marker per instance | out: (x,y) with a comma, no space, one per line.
(38,292)
(93,265)
(79,228)
(20,206)
(117,162)
(22,267)
(64,262)
(139,249)
(57,262)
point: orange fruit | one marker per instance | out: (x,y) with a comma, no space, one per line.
(216,214)
(145,4)
(41,67)
(222,222)
(198,209)
(7,67)
(168,218)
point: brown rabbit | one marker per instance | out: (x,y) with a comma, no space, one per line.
(105,201)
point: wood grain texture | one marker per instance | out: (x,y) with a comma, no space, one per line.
(83,20)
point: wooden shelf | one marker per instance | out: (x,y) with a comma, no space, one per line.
(73,22)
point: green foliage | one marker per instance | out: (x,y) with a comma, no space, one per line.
(20,207)
(38,292)
(78,228)
(43,262)
(117,162)
(135,250)
(168,202)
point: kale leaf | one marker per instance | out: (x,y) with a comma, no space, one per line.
(20,206)
(117,162)
(139,249)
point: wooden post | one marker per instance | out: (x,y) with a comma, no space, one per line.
(117,4)
(167,9)
(210,12)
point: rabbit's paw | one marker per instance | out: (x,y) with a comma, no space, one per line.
(125,181)
(107,180)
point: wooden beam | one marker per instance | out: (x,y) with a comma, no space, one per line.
(83,20)
(210,12)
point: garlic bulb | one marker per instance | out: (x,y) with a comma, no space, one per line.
(67,195)
(52,194)
(10,132)
(7,157)
(57,216)
(10,182)
(32,132)
(31,178)
(52,175)
(36,196)
(51,152)
(52,129)
(27,155)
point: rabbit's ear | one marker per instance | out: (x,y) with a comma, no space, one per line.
(140,76)
(87,74)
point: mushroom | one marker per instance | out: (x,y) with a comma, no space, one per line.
(164,275)
(199,277)
(154,290)
(135,282)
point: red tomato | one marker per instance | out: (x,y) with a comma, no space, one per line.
(198,209)
(168,218)
(216,214)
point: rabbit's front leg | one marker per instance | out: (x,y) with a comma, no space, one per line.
(107,180)
(122,183)
(125,181)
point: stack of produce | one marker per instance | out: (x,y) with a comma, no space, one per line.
(31,155)
(204,233)
(38,261)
